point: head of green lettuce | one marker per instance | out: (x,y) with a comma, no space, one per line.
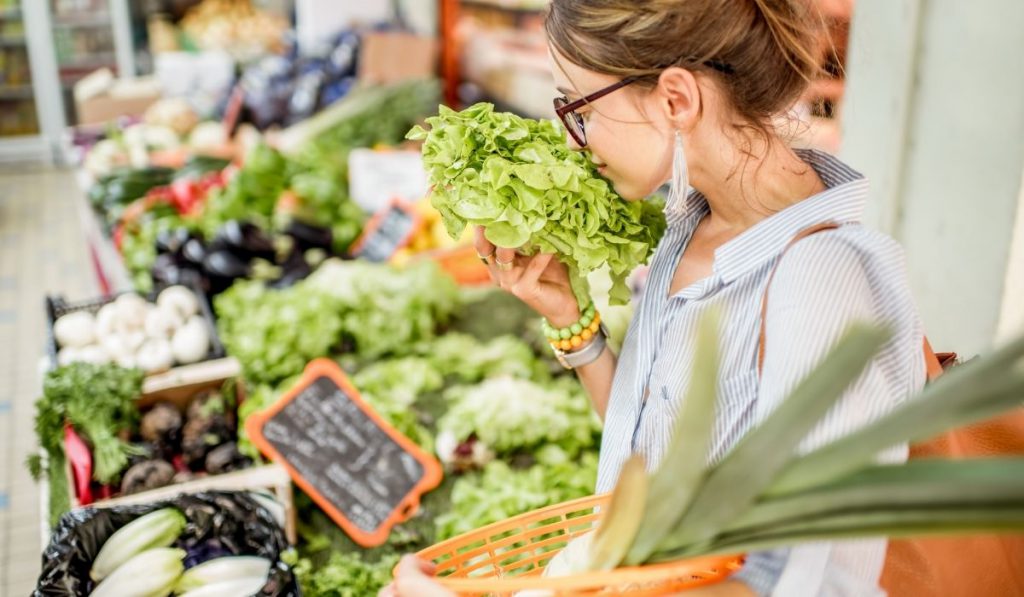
(519,179)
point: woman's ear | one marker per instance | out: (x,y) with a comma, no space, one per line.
(679,97)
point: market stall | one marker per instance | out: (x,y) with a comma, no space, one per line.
(295,239)
(299,370)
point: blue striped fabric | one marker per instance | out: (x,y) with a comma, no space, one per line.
(825,282)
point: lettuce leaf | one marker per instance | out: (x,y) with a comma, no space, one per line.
(530,191)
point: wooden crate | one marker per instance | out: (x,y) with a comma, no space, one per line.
(179,386)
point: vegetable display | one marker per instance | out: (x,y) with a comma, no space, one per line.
(373,310)
(519,179)
(296,199)
(449,391)
(454,370)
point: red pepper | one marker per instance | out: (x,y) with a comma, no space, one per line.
(80,459)
(184,195)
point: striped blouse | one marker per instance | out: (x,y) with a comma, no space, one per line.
(825,282)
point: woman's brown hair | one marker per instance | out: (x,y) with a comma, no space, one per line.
(762,52)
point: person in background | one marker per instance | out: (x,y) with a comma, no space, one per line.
(691,91)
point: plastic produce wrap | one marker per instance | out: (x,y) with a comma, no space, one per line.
(219,524)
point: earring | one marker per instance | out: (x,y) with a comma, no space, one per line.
(676,203)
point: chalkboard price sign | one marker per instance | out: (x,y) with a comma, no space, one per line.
(387,232)
(365,475)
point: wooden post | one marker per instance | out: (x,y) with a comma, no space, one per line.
(449,14)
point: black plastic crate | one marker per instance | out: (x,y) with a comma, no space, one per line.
(57,306)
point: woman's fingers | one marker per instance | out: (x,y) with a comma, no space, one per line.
(504,257)
(533,270)
(507,266)
(415,579)
(410,564)
(484,248)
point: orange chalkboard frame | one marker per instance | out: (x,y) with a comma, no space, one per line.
(378,218)
(432,472)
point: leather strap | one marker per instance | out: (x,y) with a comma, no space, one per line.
(934,363)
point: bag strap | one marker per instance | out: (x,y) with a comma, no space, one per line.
(934,363)
(764,299)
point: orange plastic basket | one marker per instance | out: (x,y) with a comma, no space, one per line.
(509,556)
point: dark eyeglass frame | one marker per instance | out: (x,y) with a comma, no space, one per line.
(566,109)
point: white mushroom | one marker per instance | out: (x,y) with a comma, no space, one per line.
(180,299)
(68,355)
(106,320)
(162,322)
(117,348)
(131,310)
(95,354)
(75,329)
(191,342)
(127,361)
(155,356)
(134,339)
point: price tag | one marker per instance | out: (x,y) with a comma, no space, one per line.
(386,233)
(360,470)
(378,177)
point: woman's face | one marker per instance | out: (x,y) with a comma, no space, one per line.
(629,139)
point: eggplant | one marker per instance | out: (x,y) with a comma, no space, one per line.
(194,252)
(310,236)
(167,270)
(147,475)
(223,264)
(171,241)
(295,268)
(246,239)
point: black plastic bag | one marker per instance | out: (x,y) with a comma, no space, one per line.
(219,523)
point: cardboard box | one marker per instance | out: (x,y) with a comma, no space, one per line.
(100,98)
(389,57)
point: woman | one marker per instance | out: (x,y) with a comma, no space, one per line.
(688,90)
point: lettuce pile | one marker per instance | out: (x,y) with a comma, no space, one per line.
(519,179)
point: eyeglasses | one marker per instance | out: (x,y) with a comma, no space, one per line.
(573,122)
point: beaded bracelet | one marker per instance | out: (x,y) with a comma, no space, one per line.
(575,335)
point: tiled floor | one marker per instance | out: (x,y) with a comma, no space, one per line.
(42,251)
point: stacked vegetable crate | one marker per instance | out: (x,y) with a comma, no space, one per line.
(179,387)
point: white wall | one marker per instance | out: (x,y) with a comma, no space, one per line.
(1011,321)
(934,115)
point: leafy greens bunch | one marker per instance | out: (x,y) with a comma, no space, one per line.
(98,401)
(519,179)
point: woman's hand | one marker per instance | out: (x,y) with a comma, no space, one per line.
(414,579)
(541,281)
